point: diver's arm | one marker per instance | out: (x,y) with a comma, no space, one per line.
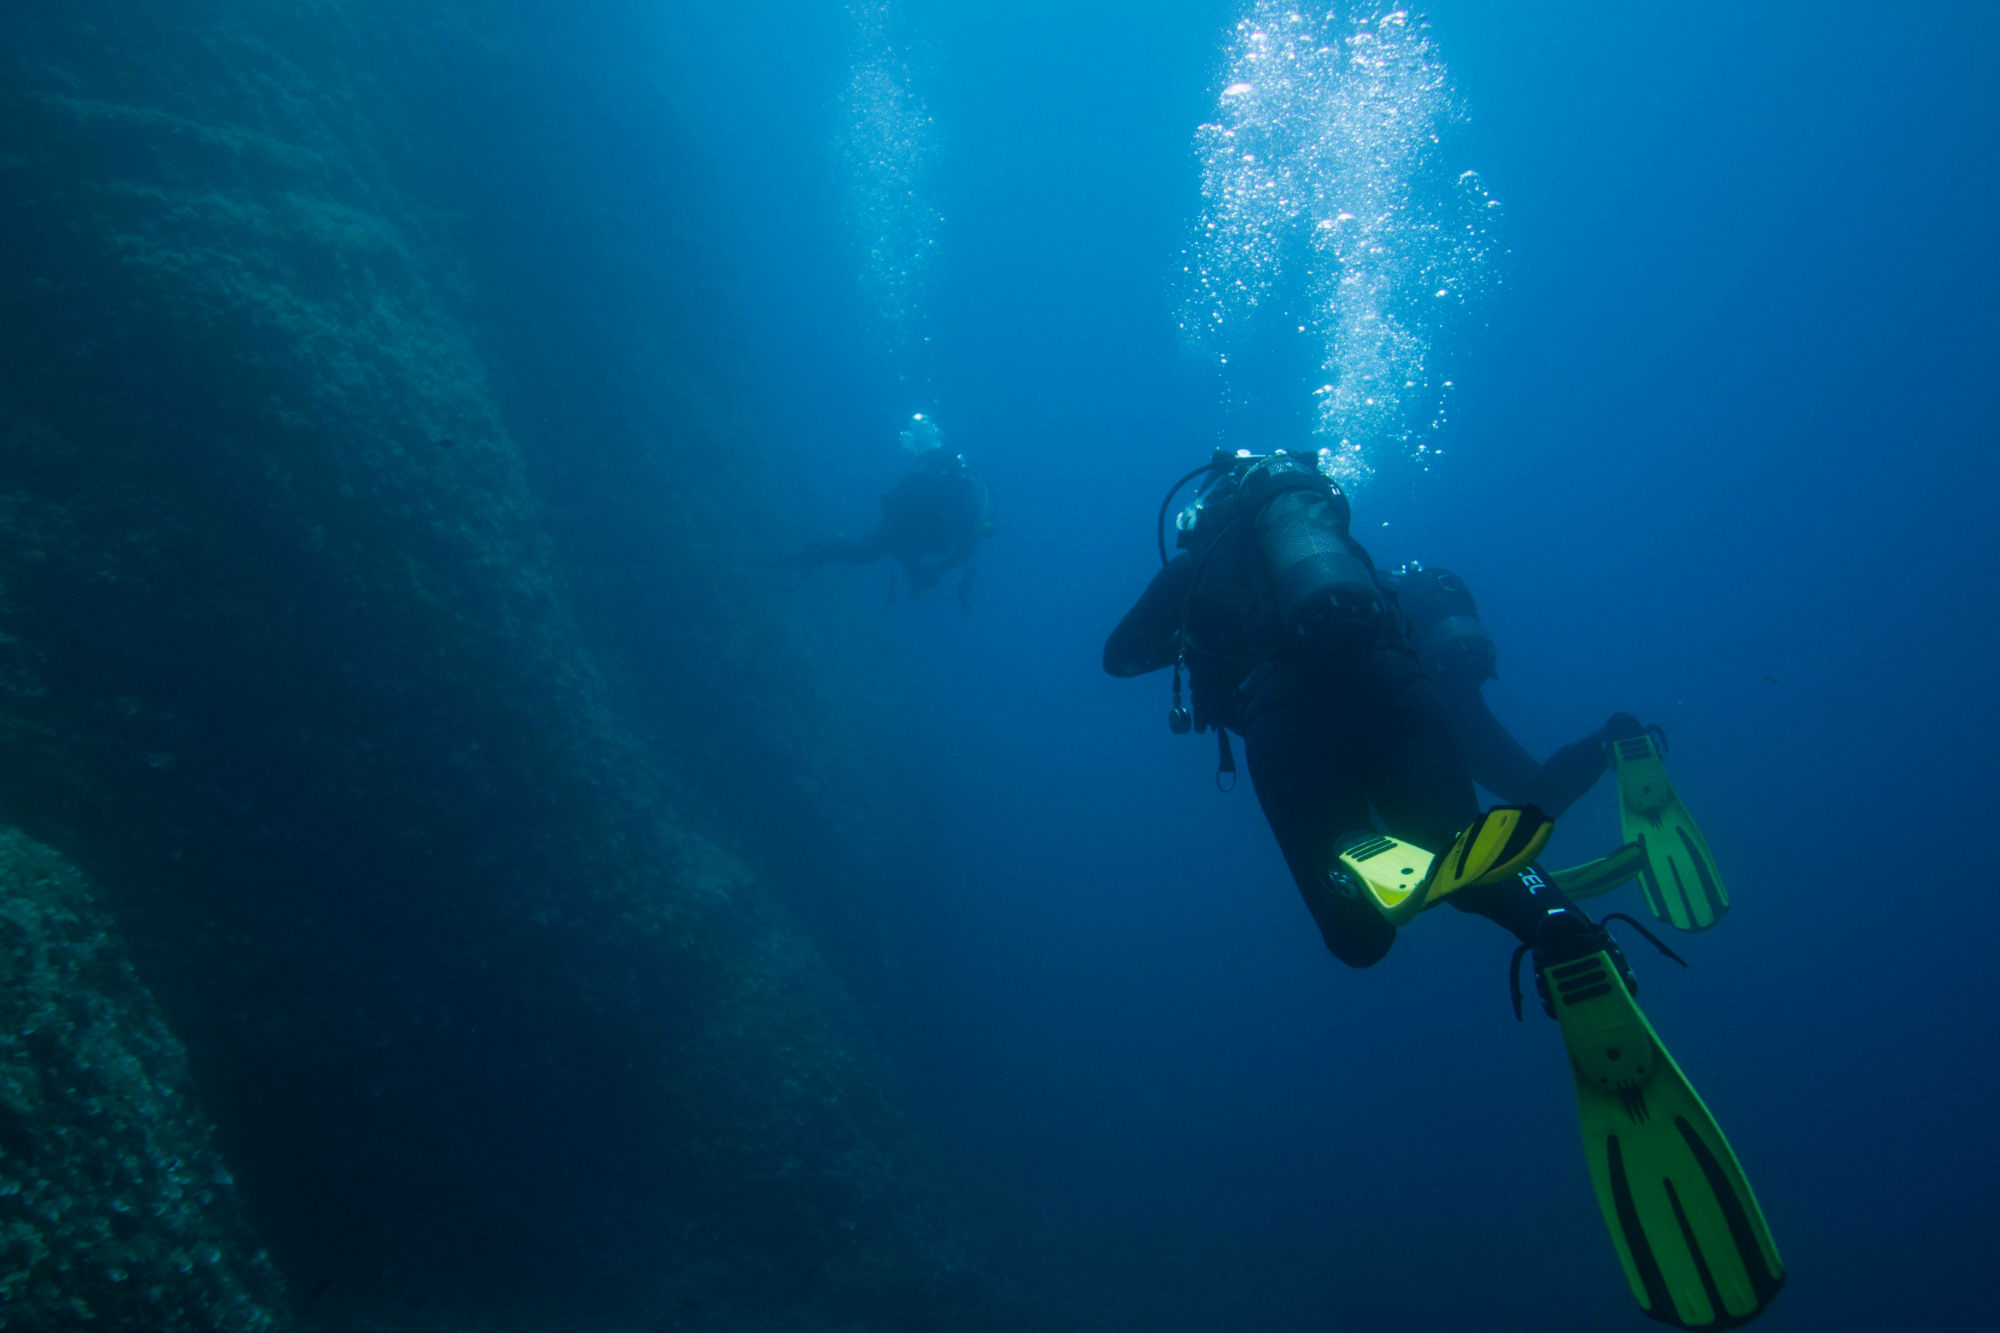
(1503,767)
(1572,771)
(1147,639)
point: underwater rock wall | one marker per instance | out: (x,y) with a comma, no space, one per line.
(488,999)
(115,1210)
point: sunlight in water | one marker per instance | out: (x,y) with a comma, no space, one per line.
(1325,196)
(887,145)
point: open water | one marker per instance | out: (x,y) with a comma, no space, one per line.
(1671,330)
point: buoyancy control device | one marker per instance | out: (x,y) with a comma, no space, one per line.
(1322,587)
(1321,582)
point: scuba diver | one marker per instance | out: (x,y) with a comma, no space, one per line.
(1665,851)
(931,520)
(1290,638)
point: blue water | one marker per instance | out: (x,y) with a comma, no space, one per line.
(1720,454)
(1715,449)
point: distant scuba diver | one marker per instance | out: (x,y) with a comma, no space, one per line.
(932,519)
(1290,638)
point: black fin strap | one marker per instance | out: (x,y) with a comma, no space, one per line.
(1514,979)
(1651,938)
(1225,761)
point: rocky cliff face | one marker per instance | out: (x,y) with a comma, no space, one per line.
(115,1209)
(478,986)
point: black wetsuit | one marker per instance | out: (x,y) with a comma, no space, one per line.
(1329,734)
(931,521)
(1503,767)
(1441,618)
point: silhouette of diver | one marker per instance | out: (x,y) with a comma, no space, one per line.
(1291,639)
(932,519)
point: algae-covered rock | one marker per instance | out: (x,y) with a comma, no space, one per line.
(115,1210)
(486,973)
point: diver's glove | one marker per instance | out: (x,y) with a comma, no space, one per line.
(1623,727)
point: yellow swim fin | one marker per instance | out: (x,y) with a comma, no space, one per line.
(1680,882)
(1402,879)
(1689,1233)
(1602,875)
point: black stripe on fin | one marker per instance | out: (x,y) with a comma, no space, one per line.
(1466,841)
(1636,1244)
(1526,826)
(1711,892)
(1701,1269)
(1649,883)
(1742,1232)
(1680,894)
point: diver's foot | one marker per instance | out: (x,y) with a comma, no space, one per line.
(1568,934)
(1567,937)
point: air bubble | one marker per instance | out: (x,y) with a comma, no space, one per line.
(1325,189)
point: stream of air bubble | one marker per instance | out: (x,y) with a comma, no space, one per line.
(886,146)
(1327,194)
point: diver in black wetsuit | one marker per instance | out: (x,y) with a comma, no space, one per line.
(1454,648)
(1294,641)
(1290,639)
(932,519)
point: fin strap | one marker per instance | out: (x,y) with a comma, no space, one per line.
(1651,938)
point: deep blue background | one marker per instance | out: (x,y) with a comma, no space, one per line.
(1720,456)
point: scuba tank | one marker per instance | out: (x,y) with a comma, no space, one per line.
(1443,623)
(1325,588)
(1321,582)
(1321,586)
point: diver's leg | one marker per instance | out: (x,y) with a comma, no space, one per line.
(1524,906)
(1425,794)
(836,550)
(1300,768)
(1417,776)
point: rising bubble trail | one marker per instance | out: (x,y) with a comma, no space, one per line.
(887,149)
(1326,196)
